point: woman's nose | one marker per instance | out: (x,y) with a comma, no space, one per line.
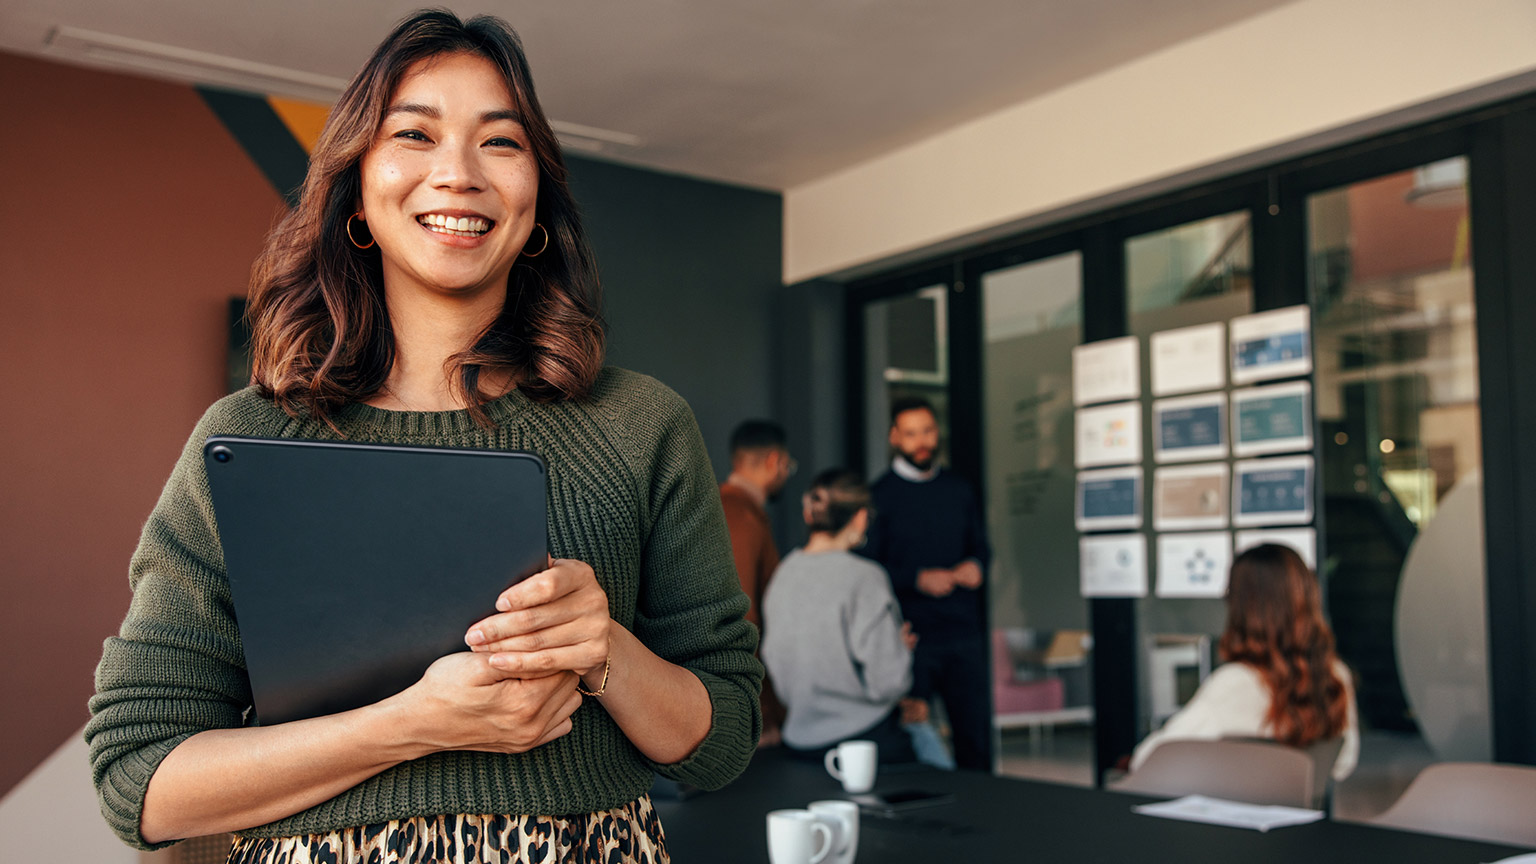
(456,168)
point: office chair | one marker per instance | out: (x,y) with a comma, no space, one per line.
(1477,800)
(1256,772)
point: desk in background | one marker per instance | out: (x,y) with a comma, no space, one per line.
(1002,820)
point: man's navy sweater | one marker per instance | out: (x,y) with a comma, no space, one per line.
(931,524)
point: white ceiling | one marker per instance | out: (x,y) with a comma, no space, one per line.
(764,93)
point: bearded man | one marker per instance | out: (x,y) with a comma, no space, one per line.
(928,534)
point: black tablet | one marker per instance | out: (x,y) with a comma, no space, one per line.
(353,566)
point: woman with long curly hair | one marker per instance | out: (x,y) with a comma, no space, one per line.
(434,287)
(1280,678)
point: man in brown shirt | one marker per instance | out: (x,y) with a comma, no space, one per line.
(760,466)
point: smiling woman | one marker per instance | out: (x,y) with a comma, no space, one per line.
(434,287)
(442,123)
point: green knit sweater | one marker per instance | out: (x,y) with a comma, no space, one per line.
(631,493)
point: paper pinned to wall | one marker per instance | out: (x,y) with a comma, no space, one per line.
(1106,371)
(1273,491)
(1189,359)
(1274,344)
(1302,540)
(1272,419)
(1193,565)
(1108,435)
(1190,428)
(1188,497)
(1109,499)
(1113,565)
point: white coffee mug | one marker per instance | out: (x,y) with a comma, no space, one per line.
(843,816)
(792,837)
(853,764)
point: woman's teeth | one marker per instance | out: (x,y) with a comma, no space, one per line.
(465,226)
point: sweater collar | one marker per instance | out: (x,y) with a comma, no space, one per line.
(907,471)
(428,424)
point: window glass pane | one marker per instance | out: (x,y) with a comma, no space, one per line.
(1042,692)
(1399,412)
(1195,273)
(905,354)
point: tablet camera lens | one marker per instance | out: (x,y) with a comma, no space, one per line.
(221,454)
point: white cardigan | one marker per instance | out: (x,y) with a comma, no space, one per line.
(1232,703)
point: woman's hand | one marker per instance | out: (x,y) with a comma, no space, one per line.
(553,621)
(462,703)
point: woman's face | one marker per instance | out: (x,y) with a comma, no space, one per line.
(450,181)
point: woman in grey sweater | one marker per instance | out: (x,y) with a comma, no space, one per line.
(833,639)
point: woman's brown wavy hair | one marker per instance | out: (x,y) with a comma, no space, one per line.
(321,335)
(1275,624)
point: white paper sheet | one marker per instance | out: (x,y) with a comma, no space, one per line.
(1273,419)
(1190,428)
(1113,565)
(1303,540)
(1109,499)
(1106,371)
(1189,359)
(1193,565)
(1108,435)
(1273,491)
(1190,497)
(1274,344)
(1233,814)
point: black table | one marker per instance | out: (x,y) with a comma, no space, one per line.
(996,819)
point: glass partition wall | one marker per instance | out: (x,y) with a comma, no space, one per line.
(1042,694)
(1198,272)
(1412,388)
(1399,413)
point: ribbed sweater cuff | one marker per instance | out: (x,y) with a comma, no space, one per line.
(725,751)
(121,792)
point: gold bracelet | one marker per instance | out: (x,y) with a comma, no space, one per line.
(607,664)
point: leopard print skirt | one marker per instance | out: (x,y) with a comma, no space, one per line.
(630,834)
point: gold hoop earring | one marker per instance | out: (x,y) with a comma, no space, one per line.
(528,254)
(371,241)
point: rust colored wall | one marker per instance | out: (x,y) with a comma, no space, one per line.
(131,216)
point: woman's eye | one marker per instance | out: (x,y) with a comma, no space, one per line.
(502,141)
(411,134)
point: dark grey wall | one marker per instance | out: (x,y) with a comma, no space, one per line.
(691,273)
(809,338)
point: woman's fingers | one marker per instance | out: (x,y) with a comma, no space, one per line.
(558,636)
(584,656)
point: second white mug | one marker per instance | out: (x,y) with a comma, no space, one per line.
(843,816)
(853,764)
